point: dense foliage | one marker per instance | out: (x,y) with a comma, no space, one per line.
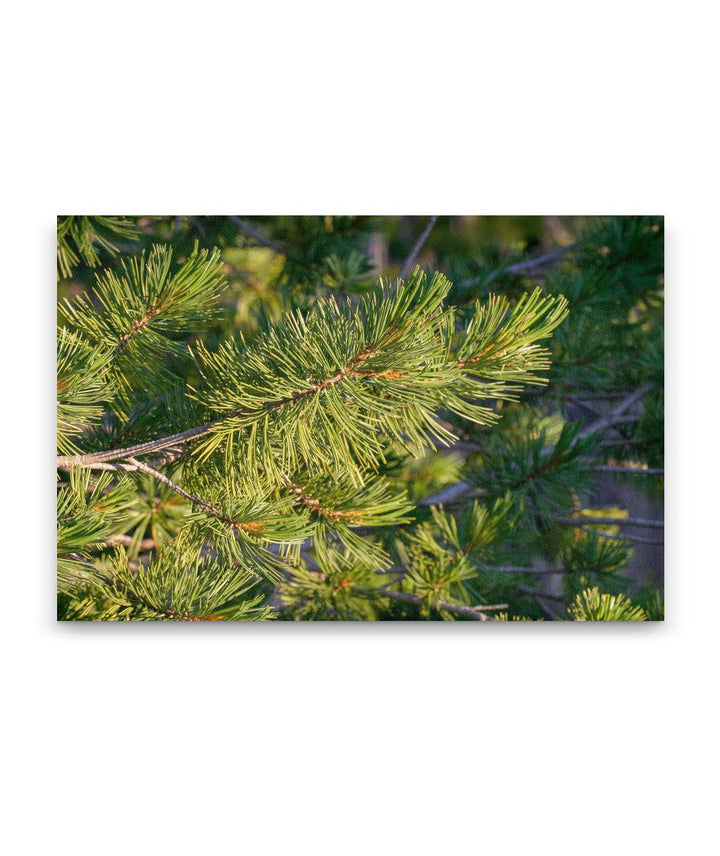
(260,419)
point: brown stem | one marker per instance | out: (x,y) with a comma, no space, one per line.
(154,310)
(315,504)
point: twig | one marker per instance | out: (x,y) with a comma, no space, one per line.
(169,457)
(589,408)
(539,261)
(637,539)
(623,441)
(253,527)
(463,445)
(588,520)
(215,512)
(597,396)
(258,236)
(520,267)
(512,569)
(448,494)
(161,477)
(557,572)
(617,411)
(473,612)
(410,260)
(542,598)
(638,471)
(138,449)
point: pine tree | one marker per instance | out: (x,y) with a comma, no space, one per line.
(256,423)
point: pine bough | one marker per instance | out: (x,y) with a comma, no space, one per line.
(276,454)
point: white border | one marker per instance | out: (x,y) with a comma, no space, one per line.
(367,739)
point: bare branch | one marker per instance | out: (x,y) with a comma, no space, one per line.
(550,572)
(638,471)
(410,260)
(529,266)
(614,521)
(617,412)
(637,539)
(449,494)
(169,457)
(539,261)
(91,458)
(473,612)
(258,236)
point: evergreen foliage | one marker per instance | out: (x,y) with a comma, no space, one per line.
(80,239)
(254,424)
(590,605)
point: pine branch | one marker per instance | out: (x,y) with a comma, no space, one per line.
(591,605)
(137,314)
(80,238)
(175,586)
(91,459)
(396,370)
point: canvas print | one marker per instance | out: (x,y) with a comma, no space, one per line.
(360,418)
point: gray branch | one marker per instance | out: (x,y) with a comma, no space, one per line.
(614,521)
(473,612)
(614,416)
(525,267)
(410,260)
(161,477)
(638,471)
(258,236)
